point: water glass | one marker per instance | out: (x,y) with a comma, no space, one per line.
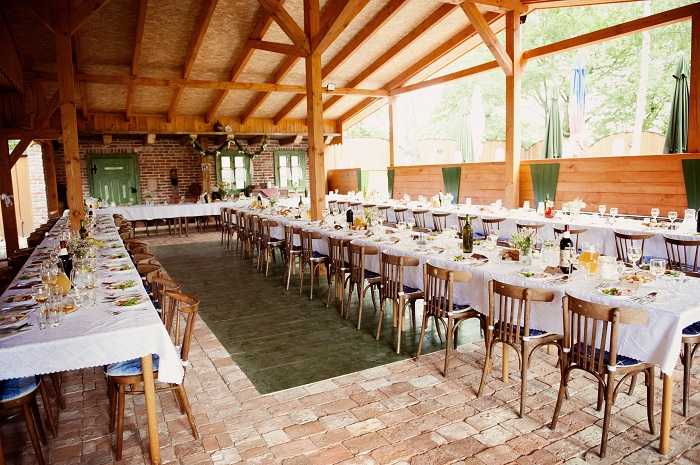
(601,209)
(43,316)
(655,212)
(672,216)
(657,267)
(55,310)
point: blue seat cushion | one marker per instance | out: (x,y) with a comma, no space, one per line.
(318,255)
(692,330)
(531,333)
(11,389)
(410,290)
(371,274)
(130,367)
(622,361)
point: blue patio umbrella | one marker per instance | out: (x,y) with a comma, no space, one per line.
(677,132)
(577,108)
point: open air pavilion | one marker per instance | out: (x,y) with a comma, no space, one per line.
(178,157)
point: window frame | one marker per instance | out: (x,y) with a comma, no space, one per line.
(287,154)
(232,155)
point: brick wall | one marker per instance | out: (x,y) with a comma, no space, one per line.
(37,185)
(156,160)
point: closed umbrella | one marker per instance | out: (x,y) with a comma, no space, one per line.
(477,122)
(464,138)
(677,132)
(577,108)
(553,136)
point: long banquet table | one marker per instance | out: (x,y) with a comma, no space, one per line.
(676,306)
(94,335)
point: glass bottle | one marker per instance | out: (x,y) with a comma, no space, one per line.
(467,236)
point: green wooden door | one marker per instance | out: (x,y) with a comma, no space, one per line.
(114,179)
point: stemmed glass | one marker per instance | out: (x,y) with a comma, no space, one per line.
(635,254)
(655,212)
(410,225)
(601,209)
(672,216)
(613,213)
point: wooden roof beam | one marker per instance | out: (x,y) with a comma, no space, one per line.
(80,15)
(377,21)
(636,25)
(43,118)
(347,11)
(488,66)
(276,47)
(435,17)
(288,63)
(487,35)
(32,134)
(200,31)
(19,149)
(423,63)
(136,55)
(286,23)
(258,32)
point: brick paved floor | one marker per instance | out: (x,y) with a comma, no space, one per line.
(400,413)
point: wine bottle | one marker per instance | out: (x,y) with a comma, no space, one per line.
(565,247)
(349,217)
(697,219)
(83,231)
(65,261)
(467,236)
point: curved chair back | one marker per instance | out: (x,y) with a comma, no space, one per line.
(180,310)
(419,216)
(400,214)
(357,254)
(491,225)
(392,272)
(509,310)
(683,254)
(439,289)
(623,242)
(575,233)
(440,221)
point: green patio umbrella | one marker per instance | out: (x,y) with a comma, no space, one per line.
(553,134)
(677,132)
(464,138)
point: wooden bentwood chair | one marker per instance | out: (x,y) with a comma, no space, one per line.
(440,306)
(313,259)
(360,278)
(392,289)
(623,242)
(126,377)
(508,323)
(590,344)
(292,252)
(338,270)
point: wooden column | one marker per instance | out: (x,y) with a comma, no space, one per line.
(512,164)
(314,113)
(49,162)
(69,125)
(393,132)
(9,220)
(694,104)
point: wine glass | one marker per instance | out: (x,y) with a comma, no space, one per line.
(634,252)
(655,213)
(410,225)
(613,213)
(601,209)
(672,216)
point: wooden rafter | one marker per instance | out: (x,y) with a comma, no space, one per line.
(276,47)
(136,55)
(286,23)
(377,21)
(482,68)
(18,151)
(43,118)
(423,63)
(482,27)
(258,32)
(200,31)
(538,4)
(433,19)
(33,134)
(348,11)
(502,4)
(636,25)
(80,15)
(287,64)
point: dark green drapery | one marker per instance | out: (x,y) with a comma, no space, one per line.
(677,132)
(691,174)
(451,178)
(544,180)
(390,181)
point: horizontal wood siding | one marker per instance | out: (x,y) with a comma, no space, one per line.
(483,182)
(632,184)
(344,180)
(418,180)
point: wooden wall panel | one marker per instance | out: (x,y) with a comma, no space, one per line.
(418,180)
(483,182)
(344,180)
(632,184)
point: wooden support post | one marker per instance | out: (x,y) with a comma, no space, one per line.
(694,103)
(69,125)
(393,132)
(49,162)
(314,111)
(512,164)
(9,220)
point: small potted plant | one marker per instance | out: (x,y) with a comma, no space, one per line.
(524,242)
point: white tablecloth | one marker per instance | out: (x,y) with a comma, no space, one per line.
(676,306)
(92,336)
(599,231)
